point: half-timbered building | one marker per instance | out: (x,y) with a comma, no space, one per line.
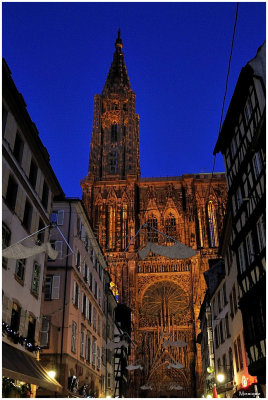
(242,143)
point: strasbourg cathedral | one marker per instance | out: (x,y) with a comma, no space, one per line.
(127,212)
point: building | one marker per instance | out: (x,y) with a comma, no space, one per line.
(222,340)
(242,144)
(127,212)
(76,306)
(28,188)
(109,328)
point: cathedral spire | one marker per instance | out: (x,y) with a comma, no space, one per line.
(117,79)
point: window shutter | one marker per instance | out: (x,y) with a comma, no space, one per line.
(82,302)
(58,248)
(83,234)
(55,287)
(60,217)
(78,297)
(83,268)
(73,296)
(44,332)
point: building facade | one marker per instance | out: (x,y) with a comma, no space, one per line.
(28,188)
(75,310)
(242,143)
(127,212)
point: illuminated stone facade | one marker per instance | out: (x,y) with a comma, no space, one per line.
(164,294)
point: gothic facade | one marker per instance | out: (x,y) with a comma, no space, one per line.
(127,212)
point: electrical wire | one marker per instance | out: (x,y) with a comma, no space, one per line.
(221,118)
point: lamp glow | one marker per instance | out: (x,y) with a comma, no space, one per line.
(220,378)
(51,374)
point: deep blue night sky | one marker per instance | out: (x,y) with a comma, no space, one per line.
(177,58)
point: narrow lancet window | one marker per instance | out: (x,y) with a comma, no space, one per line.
(114,131)
(111,228)
(124,226)
(152,233)
(171,229)
(212,223)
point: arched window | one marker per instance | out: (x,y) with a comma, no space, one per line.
(170,226)
(124,226)
(111,227)
(152,234)
(212,225)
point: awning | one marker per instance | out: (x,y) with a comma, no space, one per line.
(16,364)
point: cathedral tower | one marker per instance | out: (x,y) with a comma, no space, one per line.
(127,213)
(114,150)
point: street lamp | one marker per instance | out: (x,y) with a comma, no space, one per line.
(51,374)
(220,377)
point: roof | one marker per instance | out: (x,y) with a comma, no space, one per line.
(18,106)
(117,79)
(16,364)
(214,276)
(255,67)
